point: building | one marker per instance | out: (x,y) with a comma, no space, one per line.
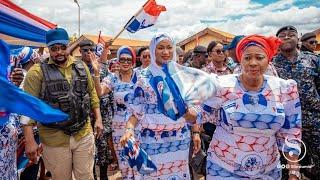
(317,32)
(204,37)
(136,44)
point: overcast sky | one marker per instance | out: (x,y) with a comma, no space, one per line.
(182,18)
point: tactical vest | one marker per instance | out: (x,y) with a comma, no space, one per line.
(72,98)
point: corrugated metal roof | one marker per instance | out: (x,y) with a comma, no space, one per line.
(225,35)
(134,43)
(119,41)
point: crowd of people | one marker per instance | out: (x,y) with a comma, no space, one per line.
(226,111)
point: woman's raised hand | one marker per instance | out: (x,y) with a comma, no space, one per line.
(95,63)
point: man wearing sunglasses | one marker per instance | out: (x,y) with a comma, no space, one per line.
(66,84)
(199,58)
(309,42)
(87,50)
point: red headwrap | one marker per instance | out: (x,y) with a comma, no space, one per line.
(127,50)
(112,62)
(269,45)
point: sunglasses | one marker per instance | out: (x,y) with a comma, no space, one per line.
(313,42)
(57,48)
(88,49)
(125,60)
(219,51)
(145,56)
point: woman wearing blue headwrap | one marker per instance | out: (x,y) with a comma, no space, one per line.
(120,84)
(164,96)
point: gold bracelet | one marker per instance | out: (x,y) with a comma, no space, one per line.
(130,130)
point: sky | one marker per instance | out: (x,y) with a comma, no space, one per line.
(183,18)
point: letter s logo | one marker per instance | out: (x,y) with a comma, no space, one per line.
(293,146)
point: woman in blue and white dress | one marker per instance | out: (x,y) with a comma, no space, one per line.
(8,148)
(120,84)
(161,119)
(260,116)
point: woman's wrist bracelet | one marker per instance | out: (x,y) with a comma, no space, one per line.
(131,130)
(196,132)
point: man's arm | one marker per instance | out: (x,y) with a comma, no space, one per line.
(95,105)
(32,85)
(98,126)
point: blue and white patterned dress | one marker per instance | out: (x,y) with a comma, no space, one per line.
(8,149)
(120,89)
(165,140)
(252,128)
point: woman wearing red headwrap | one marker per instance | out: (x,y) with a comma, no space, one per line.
(260,117)
(114,66)
(274,44)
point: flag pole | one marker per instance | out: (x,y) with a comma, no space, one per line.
(124,27)
(119,33)
(99,36)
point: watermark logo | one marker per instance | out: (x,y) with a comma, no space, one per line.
(288,144)
(251,164)
(174,177)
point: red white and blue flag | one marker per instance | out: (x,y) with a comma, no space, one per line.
(18,23)
(137,158)
(146,17)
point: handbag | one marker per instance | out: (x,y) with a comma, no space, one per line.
(199,161)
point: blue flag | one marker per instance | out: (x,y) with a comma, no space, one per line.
(137,158)
(14,100)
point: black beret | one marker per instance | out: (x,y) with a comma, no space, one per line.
(286,28)
(86,42)
(307,36)
(200,49)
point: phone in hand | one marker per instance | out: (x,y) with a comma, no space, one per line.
(15,65)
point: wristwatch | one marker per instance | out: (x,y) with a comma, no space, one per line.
(295,173)
(195,132)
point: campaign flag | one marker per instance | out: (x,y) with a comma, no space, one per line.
(100,45)
(20,27)
(14,100)
(137,158)
(146,17)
